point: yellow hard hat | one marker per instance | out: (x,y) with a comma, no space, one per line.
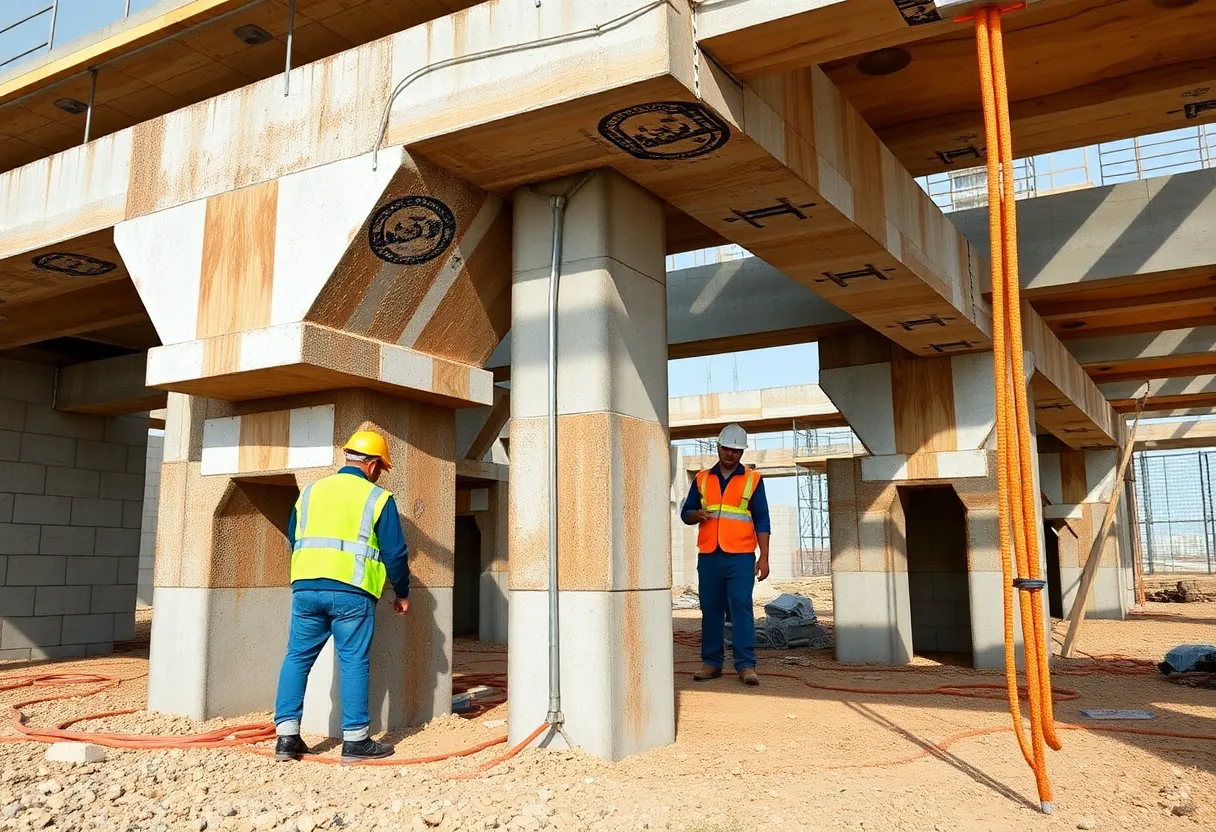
(370,443)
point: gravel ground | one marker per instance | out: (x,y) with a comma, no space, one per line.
(783,757)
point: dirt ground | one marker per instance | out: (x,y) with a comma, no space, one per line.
(783,756)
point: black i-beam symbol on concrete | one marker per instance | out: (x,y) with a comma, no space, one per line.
(949,157)
(953,345)
(842,279)
(1055,406)
(929,321)
(783,207)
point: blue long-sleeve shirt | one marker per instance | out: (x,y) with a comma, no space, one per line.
(393,550)
(758,505)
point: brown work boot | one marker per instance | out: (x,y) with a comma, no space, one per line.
(707,672)
(748,676)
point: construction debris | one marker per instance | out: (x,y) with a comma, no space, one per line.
(75,752)
(790,622)
(1181,592)
(688,599)
(1189,658)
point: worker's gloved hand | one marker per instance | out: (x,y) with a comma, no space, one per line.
(401,606)
(762,567)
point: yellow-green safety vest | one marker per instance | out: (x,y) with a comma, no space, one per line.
(336,532)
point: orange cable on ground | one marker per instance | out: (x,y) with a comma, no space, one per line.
(1018,520)
(241,737)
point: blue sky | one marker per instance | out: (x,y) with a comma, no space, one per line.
(76,18)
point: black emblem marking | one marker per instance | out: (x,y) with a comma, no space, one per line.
(842,279)
(77,265)
(1195,93)
(783,206)
(1193,110)
(411,230)
(1056,406)
(665,130)
(1076,430)
(911,325)
(949,157)
(918,12)
(953,345)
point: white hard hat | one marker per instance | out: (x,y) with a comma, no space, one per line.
(733,436)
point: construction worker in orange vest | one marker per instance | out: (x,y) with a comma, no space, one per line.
(727,501)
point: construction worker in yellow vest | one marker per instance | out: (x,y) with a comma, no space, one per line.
(728,502)
(346,540)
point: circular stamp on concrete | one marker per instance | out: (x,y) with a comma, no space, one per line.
(411,230)
(77,265)
(665,130)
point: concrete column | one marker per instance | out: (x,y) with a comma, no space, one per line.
(925,423)
(614,476)
(231,474)
(493,589)
(1078,484)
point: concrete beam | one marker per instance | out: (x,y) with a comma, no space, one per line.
(752,38)
(738,305)
(780,462)
(1190,393)
(1094,235)
(1165,354)
(1164,436)
(111,387)
(772,409)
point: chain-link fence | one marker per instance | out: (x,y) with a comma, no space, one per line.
(1177,505)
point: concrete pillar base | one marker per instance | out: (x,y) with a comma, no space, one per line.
(411,668)
(216,652)
(616,658)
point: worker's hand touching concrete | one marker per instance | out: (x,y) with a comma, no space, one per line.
(401,606)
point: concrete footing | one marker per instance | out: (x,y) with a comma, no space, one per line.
(616,658)
(411,668)
(216,652)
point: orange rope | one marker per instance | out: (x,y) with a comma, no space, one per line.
(1017,514)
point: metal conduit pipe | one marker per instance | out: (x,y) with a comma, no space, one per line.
(557,203)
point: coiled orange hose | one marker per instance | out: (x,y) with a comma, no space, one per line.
(1018,516)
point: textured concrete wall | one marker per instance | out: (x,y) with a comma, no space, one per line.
(222,568)
(1079,486)
(71,502)
(147,528)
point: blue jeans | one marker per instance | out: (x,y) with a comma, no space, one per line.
(315,614)
(723,580)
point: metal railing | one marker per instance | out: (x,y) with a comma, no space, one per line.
(1176,495)
(1108,163)
(47,44)
(87,108)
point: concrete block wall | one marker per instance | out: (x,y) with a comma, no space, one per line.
(71,504)
(147,529)
(937,571)
(783,544)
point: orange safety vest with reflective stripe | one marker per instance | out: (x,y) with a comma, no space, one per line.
(730,527)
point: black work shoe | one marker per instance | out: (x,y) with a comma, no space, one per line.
(368,749)
(290,747)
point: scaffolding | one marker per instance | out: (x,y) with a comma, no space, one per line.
(814,530)
(1177,499)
